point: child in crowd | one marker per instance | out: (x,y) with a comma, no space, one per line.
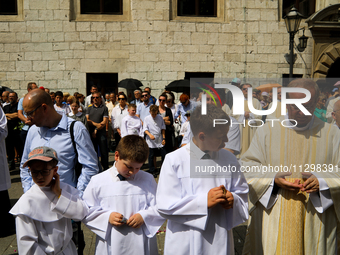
(122,203)
(202,211)
(154,128)
(77,115)
(44,212)
(131,124)
(185,125)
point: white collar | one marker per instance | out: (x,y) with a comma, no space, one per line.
(114,172)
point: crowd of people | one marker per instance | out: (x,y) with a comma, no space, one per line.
(63,179)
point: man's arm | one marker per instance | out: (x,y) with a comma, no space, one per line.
(3,125)
(86,156)
(12,116)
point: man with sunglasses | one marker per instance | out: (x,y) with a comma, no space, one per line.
(88,99)
(97,117)
(138,99)
(143,109)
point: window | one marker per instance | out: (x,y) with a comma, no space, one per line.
(200,8)
(11,10)
(101,10)
(8,7)
(305,7)
(113,7)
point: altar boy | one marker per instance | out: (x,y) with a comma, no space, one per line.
(122,203)
(44,212)
(131,124)
(202,210)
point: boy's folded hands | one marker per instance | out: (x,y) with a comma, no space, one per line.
(135,221)
(117,220)
(219,195)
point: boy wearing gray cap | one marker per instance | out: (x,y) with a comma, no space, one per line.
(44,212)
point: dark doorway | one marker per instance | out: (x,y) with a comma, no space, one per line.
(205,77)
(286,80)
(106,82)
(334,70)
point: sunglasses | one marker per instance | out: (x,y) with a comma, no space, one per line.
(95,97)
(121,98)
(161,100)
(145,95)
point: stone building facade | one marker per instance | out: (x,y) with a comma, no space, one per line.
(50,42)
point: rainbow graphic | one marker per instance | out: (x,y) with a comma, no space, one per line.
(209,93)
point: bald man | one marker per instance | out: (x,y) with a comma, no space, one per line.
(336,114)
(4,98)
(53,130)
(22,115)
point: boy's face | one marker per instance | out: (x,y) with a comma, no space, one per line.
(153,114)
(126,168)
(42,173)
(215,140)
(132,111)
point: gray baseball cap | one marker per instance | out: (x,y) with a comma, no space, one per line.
(42,153)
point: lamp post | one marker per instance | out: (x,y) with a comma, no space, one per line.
(292,20)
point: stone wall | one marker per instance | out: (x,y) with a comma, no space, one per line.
(57,53)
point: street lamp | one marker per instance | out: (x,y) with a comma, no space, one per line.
(292,20)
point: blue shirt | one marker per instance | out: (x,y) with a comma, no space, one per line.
(182,110)
(25,127)
(136,102)
(59,139)
(143,110)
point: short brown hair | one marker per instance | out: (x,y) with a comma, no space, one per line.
(133,148)
(205,123)
(153,108)
(132,106)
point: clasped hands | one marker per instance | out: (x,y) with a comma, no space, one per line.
(309,186)
(219,195)
(135,221)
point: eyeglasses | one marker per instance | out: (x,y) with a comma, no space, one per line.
(144,95)
(42,172)
(29,114)
(161,100)
(121,98)
(95,97)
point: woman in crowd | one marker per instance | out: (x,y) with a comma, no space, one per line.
(166,113)
(320,110)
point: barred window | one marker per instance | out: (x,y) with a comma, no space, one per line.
(305,7)
(8,7)
(109,7)
(197,8)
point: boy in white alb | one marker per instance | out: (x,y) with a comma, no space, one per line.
(122,203)
(154,128)
(131,124)
(202,207)
(44,212)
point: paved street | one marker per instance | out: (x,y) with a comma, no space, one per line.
(8,245)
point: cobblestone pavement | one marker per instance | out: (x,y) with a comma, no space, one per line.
(8,245)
